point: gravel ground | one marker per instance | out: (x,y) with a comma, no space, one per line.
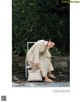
(41,84)
(61,80)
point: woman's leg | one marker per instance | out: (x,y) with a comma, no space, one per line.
(47,79)
(51,75)
(44,75)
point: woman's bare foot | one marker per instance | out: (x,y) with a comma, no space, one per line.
(47,79)
(51,75)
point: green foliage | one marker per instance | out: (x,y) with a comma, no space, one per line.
(40,19)
(55,52)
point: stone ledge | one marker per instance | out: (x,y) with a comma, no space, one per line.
(62,63)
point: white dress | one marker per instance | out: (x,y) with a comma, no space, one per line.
(39,53)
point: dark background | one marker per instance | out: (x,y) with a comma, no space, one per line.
(33,20)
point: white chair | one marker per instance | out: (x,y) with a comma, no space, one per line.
(27,67)
(32,75)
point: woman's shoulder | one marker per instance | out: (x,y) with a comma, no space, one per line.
(42,42)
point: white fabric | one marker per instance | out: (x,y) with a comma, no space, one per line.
(39,53)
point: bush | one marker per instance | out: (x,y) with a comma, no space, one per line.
(40,19)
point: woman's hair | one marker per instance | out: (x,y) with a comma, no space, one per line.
(53,40)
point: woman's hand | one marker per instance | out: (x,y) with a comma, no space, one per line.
(36,65)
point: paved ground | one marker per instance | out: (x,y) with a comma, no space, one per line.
(62,80)
(41,84)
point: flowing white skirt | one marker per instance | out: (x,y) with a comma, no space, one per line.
(45,65)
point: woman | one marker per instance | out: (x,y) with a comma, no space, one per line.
(38,56)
